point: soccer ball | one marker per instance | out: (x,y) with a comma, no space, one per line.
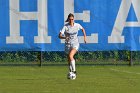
(71,75)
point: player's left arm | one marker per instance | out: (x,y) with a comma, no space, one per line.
(85,37)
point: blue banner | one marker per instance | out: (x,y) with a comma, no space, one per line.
(34,25)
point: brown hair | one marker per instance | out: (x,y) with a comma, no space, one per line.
(70,15)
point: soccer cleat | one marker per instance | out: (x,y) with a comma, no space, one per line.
(75,72)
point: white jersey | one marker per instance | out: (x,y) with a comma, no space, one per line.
(71,33)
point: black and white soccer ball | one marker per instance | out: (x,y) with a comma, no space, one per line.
(71,76)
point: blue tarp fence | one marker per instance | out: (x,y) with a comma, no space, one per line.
(34,25)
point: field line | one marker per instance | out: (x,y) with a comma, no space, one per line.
(116,70)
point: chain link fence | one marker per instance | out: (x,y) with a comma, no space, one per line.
(25,58)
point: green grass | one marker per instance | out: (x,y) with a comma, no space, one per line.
(52,79)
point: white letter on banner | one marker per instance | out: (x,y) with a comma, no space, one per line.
(85,16)
(121,20)
(42,23)
(16,16)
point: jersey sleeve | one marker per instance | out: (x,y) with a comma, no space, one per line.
(80,27)
(63,30)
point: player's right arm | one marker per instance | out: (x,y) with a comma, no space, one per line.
(61,34)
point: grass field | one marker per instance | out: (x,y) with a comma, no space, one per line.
(52,79)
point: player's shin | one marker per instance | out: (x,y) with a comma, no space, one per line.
(70,67)
(73,65)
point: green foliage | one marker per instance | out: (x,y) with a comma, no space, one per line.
(13,57)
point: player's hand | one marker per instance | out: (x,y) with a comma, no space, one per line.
(67,38)
(85,39)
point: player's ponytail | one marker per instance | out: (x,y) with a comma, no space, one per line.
(70,15)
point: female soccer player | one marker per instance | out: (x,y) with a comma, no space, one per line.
(69,32)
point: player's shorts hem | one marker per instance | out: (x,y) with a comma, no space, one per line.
(68,49)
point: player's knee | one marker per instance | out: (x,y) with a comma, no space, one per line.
(71,57)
